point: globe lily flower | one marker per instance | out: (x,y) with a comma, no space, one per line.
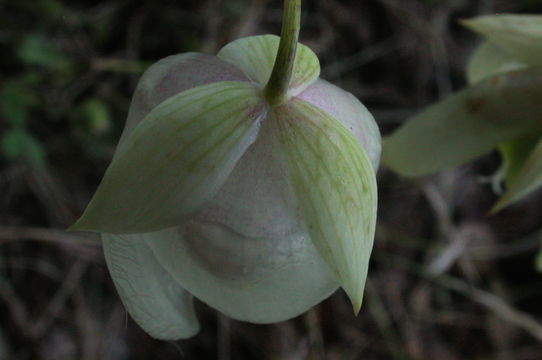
(241,179)
(500,109)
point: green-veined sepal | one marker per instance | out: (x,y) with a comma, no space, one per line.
(176,159)
(335,185)
(255,56)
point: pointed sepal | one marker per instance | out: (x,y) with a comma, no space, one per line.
(176,159)
(335,185)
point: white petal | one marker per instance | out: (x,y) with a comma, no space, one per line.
(154,299)
(350,112)
(488,60)
(248,253)
(519,35)
(172,75)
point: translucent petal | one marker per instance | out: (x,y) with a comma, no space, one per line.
(350,112)
(487,60)
(528,178)
(467,124)
(248,253)
(176,159)
(172,75)
(154,300)
(255,56)
(519,35)
(335,185)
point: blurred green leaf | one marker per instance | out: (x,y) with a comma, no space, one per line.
(15,101)
(518,35)
(17,143)
(35,49)
(93,115)
(467,124)
(538,261)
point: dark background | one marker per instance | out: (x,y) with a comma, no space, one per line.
(446,280)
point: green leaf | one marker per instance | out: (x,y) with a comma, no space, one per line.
(18,143)
(255,56)
(528,178)
(489,60)
(94,116)
(335,186)
(518,35)
(16,99)
(467,124)
(175,159)
(150,295)
(34,49)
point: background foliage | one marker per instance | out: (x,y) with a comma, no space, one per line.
(446,280)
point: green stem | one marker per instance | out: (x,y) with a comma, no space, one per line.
(276,89)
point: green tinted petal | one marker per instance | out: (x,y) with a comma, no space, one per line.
(519,35)
(467,124)
(487,60)
(335,186)
(255,56)
(176,159)
(155,301)
(528,178)
(515,153)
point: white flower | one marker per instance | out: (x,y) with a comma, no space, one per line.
(259,210)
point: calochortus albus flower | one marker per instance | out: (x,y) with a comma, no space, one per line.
(500,109)
(241,179)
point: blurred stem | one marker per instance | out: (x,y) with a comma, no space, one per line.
(276,89)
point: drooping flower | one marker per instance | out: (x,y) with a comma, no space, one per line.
(241,179)
(499,109)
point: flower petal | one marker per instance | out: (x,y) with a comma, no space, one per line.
(335,185)
(255,56)
(528,178)
(519,35)
(487,60)
(172,75)
(255,279)
(467,124)
(350,112)
(176,159)
(155,301)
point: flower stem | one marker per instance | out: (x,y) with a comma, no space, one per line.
(276,89)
